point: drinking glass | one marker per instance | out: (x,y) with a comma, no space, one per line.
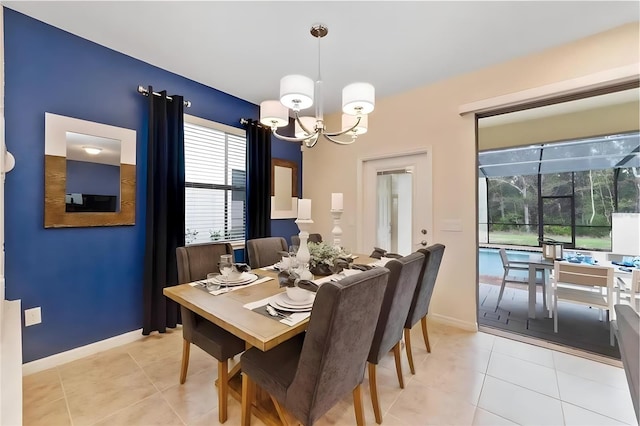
(293,250)
(226,265)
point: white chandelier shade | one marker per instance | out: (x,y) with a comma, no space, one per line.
(298,92)
(274,114)
(309,123)
(358,98)
(350,122)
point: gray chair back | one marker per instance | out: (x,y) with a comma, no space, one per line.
(427,282)
(196,261)
(336,344)
(264,251)
(403,278)
(627,327)
(313,238)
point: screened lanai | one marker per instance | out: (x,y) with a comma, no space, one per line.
(565,191)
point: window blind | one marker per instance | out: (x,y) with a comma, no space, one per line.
(215,174)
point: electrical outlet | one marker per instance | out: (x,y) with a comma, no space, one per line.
(32,316)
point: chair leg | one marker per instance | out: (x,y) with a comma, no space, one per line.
(223,389)
(425,334)
(407,348)
(504,281)
(373,390)
(396,356)
(555,313)
(357,406)
(185,360)
(282,414)
(248,389)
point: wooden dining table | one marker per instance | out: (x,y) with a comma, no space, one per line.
(228,312)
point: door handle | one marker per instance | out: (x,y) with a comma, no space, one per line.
(423,243)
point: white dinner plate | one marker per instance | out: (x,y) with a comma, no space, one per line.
(286,309)
(245,278)
(276,302)
(284,298)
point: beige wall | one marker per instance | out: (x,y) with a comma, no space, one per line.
(428,117)
(594,122)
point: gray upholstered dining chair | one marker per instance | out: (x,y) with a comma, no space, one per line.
(403,279)
(422,298)
(194,263)
(308,374)
(313,238)
(265,251)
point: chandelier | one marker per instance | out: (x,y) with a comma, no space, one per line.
(297,93)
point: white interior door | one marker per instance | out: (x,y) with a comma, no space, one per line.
(395,210)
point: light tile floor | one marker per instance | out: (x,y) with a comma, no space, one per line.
(468,379)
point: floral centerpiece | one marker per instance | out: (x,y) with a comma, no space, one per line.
(323,258)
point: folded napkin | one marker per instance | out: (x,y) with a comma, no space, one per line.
(227,289)
(291,320)
(273,267)
(383,261)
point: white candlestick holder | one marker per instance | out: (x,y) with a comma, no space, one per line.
(303,256)
(337,230)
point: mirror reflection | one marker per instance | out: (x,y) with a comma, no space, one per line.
(93,173)
(394,195)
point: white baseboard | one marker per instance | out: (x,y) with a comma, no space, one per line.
(454,322)
(81,352)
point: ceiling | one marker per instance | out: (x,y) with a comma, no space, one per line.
(244,48)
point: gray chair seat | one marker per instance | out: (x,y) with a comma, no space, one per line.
(194,263)
(260,365)
(214,340)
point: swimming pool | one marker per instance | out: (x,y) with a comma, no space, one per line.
(489,262)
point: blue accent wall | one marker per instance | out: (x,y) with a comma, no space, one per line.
(88,281)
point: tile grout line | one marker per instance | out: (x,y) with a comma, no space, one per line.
(157,389)
(64,393)
(555,373)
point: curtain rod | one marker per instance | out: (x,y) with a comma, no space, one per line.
(245,121)
(145,92)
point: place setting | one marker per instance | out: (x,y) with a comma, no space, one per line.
(231,276)
(291,306)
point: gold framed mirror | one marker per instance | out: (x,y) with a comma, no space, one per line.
(90,173)
(284,189)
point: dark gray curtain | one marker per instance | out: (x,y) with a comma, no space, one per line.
(258,181)
(165,209)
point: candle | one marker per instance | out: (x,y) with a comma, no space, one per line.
(336,201)
(304,209)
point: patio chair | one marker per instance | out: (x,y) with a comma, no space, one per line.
(583,284)
(629,288)
(512,265)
